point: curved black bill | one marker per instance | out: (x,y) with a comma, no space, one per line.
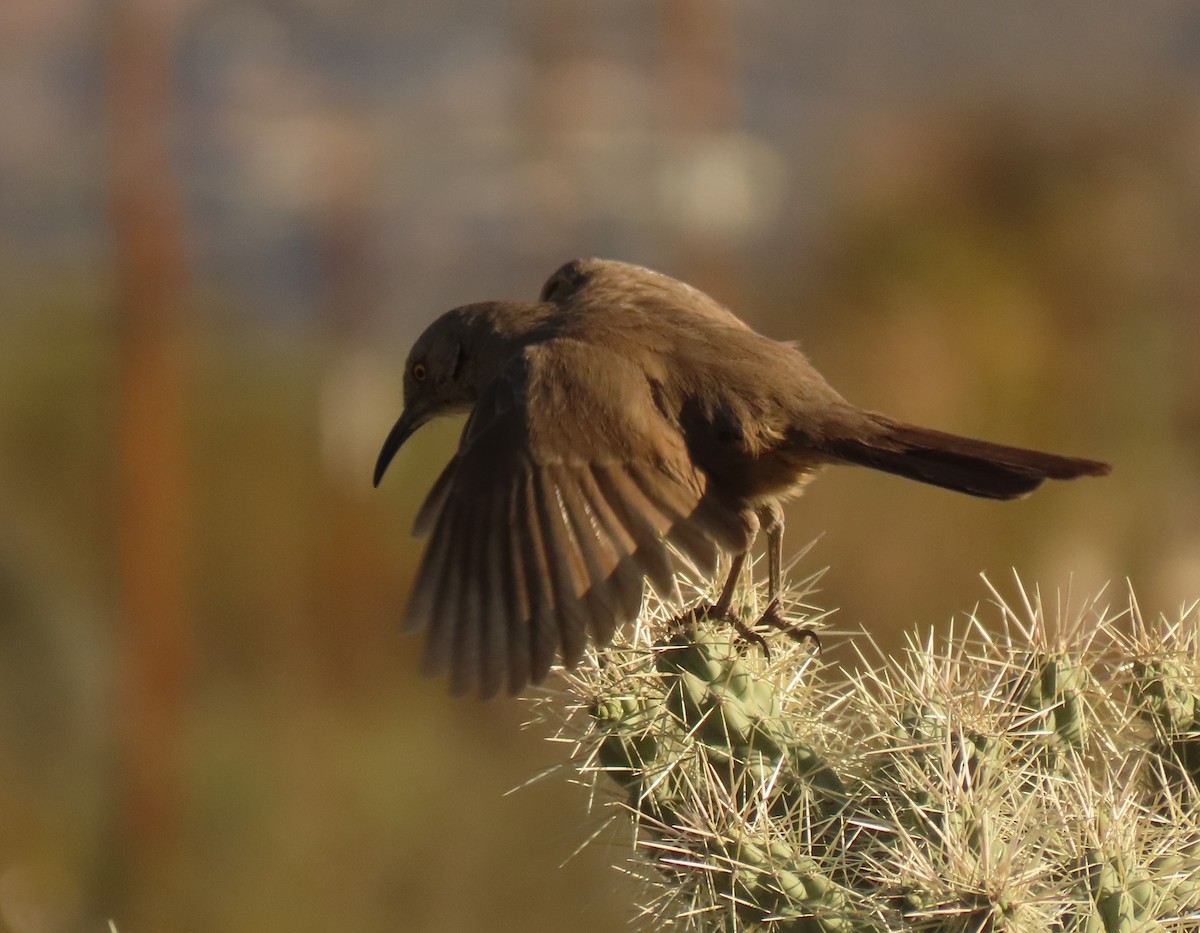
(401,431)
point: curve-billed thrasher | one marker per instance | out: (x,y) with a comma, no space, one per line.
(622,411)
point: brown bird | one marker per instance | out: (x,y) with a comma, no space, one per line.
(622,412)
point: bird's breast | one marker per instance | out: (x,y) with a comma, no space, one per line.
(748,459)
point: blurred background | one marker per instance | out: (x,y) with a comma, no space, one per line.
(223,223)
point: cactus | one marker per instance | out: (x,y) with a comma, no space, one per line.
(1029,772)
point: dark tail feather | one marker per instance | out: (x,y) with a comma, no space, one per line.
(964,464)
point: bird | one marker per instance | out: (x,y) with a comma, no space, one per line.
(623,414)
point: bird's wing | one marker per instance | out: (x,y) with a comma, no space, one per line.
(567,484)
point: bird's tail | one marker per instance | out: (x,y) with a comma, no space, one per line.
(964,464)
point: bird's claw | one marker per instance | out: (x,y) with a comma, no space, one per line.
(775,619)
(749,634)
(746,633)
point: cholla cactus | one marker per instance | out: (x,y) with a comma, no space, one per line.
(1034,771)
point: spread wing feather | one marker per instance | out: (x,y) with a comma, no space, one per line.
(550,517)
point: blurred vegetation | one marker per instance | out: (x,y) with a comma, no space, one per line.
(314,770)
(1015,263)
(1020,283)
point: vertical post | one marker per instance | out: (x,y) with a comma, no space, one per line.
(351,628)
(150,514)
(556,34)
(701,107)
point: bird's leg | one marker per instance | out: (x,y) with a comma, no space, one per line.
(725,601)
(723,607)
(771,517)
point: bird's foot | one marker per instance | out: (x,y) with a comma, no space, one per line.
(746,633)
(774,618)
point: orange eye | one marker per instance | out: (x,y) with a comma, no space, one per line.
(419,372)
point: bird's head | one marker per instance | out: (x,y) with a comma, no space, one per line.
(451,363)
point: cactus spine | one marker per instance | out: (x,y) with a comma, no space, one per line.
(1025,773)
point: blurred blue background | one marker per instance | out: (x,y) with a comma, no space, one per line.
(221,225)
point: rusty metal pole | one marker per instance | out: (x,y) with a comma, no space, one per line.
(151,489)
(701,106)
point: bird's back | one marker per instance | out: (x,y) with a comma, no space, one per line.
(737,396)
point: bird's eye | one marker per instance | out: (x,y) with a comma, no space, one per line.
(419,372)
